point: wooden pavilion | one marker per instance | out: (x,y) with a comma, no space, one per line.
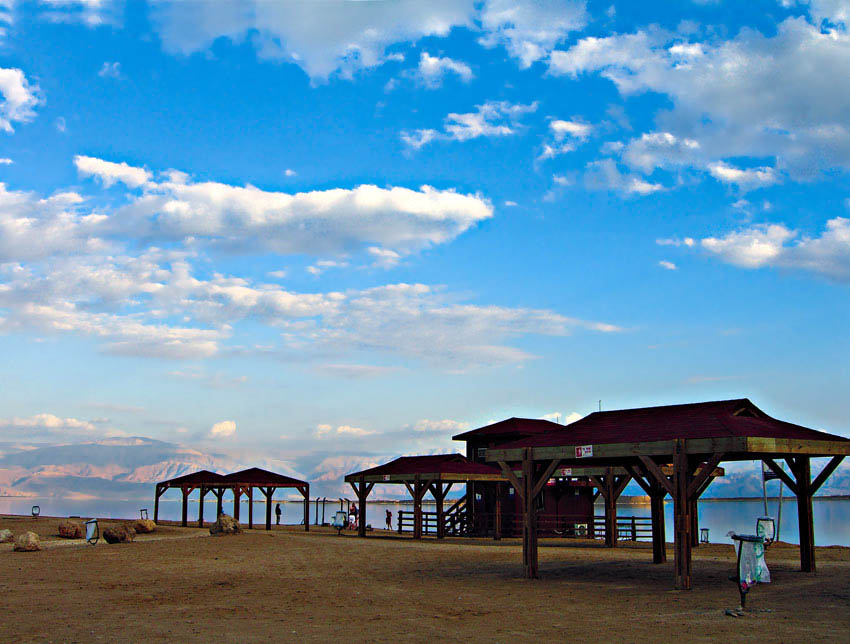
(421,474)
(672,450)
(240,483)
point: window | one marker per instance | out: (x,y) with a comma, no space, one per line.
(480,452)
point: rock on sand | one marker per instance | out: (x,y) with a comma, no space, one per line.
(226,524)
(71,530)
(144,526)
(27,542)
(119,534)
(6,536)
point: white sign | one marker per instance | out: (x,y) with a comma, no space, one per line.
(386,477)
(565,471)
(583,451)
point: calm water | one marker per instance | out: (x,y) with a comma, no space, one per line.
(831,516)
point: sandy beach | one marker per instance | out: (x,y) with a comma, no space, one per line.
(179,584)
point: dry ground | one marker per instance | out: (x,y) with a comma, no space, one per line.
(289,586)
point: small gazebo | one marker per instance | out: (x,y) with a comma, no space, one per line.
(240,483)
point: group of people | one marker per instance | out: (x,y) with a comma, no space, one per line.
(353,516)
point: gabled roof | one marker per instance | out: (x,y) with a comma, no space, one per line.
(257,476)
(447,466)
(515,428)
(738,418)
(201,477)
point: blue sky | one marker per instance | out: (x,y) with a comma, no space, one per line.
(334,232)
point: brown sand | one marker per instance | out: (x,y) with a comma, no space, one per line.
(286,585)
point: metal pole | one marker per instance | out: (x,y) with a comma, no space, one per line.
(764,489)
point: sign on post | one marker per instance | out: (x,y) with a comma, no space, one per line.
(583,451)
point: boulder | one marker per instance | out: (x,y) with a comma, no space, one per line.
(119,534)
(225,524)
(6,536)
(144,526)
(27,542)
(71,530)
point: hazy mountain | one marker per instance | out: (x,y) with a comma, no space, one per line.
(126,468)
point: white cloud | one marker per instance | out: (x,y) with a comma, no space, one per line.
(290,172)
(20,98)
(92,13)
(774,245)
(750,178)
(6,161)
(223,429)
(341,431)
(384,258)
(670,266)
(61,124)
(660,150)
(604,175)
(564,419)
(110,173)
(322,265)
(445,426)
(491,119)
(566,134)
(530,29)
(784,96)
(110,70)
(332,37)
(433,69)
(243,219)
(49,427)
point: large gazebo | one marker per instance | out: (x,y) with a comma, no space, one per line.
(239,483)
(672,450)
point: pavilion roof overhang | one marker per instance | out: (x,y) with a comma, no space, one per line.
(448,468)
(735,428)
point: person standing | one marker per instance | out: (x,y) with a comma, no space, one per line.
(277,513)
(389,520)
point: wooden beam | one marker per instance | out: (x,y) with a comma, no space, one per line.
(269,493)
(825,472)
(637,475)
(544,478)
(201,507)
(620,485)
(782,474)
(801,466)
(682,509)
(512,479)
(704,473)
(652,467)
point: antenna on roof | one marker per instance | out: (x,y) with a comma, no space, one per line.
(600,404)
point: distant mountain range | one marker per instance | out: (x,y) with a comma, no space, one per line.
(126,468)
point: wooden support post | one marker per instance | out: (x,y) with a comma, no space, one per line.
(529,517)
(610,509)
(185,518)
(203,493)
(417,508)
(362,491)
(801,467)
(694,510)
(250,495)
(237,492)
(659,541)
(306,492)
(682,508)
(269,492)
(439,493)
(158,494)
(497,532)
(219,509)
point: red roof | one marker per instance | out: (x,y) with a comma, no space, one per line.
(437,464)
(512,427)
(720,419)
(201,477)
(256,476)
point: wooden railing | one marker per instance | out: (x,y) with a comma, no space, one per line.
(455,520)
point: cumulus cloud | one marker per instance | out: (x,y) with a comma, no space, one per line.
(565,418)
(326,38)
(245,218)
(445,426)
(783,96)
(605,175)
(19,98)
(433,69)
(49,427)
(670,266)
(341,431)
(775,245)
(491,119)
(746,179)
(529,30)
(223,429)
(565,136)
(110,173)
(110,70)
(660,150)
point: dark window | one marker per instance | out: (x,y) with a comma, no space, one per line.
(480,452)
